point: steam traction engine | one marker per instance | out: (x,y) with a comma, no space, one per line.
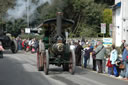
(53,49)
(7,42)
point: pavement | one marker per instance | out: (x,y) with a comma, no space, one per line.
(21,69)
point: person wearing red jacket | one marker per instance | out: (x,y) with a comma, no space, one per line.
(109,65)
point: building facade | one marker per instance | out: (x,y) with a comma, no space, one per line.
(120,21)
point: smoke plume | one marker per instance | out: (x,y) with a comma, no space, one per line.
(22,7)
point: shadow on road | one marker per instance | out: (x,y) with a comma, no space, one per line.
(13,72)
(59,70)
(7,52)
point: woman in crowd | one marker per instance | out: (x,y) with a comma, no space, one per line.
(100,52)
(88,50)
(113,58)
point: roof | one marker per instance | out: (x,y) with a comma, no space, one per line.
(65,22)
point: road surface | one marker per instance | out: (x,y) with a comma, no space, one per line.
(20,69)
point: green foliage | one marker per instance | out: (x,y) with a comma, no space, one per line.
(87,15)
(15,27)
(4,6)
(88,31)
(80,5)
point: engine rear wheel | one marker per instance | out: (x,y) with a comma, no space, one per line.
(72,63)
(46,62)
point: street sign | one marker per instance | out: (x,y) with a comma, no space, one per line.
(107,42)
(27,30)
(103,28)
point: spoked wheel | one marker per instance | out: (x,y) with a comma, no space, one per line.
(46,62)
(40,61)
(72,62)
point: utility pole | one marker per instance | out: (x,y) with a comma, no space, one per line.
(27,8)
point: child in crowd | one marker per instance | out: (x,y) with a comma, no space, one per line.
(109,65)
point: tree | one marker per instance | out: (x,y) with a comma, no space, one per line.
(15,27)
(4,6)
(87,16)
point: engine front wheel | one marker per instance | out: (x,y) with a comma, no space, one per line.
(46,62)
(72,63)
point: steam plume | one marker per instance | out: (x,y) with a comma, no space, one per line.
(20,9)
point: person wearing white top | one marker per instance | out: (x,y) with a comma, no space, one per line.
(113,58)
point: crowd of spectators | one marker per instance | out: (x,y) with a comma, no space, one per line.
(27,44)
(117,65)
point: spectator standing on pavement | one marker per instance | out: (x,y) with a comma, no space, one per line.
(122,46)
(124,73)
(88,50)
(33,45)
(113,58)
(109,65)
(26,45)
(78,52)
(94,58)
(126,61)
(19,42)
(82,42)
(100,54)
(23,43)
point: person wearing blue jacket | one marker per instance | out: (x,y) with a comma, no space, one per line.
(88,50)
(125,59)
(124,73)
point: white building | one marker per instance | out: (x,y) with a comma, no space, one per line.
(120,21)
